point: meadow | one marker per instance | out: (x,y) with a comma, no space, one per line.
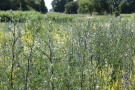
(66,52)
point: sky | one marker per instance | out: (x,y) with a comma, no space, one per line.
(48,4)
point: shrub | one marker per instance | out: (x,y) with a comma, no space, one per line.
(20,16)
(117,13)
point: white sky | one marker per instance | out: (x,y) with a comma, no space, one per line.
(48,4)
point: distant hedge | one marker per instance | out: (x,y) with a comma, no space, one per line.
(22,16)
(19,16)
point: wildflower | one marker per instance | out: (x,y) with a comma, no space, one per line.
(17,19)
(125,78)
(101,44)
(78,17)
(50,22)
(125,82)
(19,31)
(27,18)
(89,50)
(97,87)
(129,49)
(11,28)
(124,73)
(126,55)
(56,17)
(118,16)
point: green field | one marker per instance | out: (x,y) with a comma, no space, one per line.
(66,52)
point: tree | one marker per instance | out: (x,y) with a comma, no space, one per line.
(86,6)
(4,4)
(18,4)
(127,6)
(111,6)
(102,6)
(43,7)
(59,5)
(71,7)
(38,5)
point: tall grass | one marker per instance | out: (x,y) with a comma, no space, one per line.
(92,54)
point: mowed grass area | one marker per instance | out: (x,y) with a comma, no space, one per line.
(68,52)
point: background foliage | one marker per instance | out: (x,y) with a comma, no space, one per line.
(100,6)
(72,6)
(38,5)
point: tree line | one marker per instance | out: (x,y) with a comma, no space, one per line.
(90,6)
(72,6)
(24,5)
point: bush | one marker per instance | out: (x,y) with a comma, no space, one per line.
(117,13)
(61,17)
(20,16)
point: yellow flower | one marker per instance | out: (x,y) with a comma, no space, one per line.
(27,38)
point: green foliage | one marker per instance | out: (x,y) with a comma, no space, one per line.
(103,6)
(133,15)
(59,5)
(4,5)
(19,16)
(43,7)
(117,13)
(128,6)
(57,17)
(88,54)
(86,6)
(22,16)
(23,5)
(109,6)
(71,7)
